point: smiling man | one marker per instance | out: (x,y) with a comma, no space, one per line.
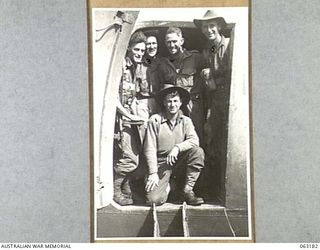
(171,149)
(182,68)
(153,60)
(217,75)
(134,107)
(152,44)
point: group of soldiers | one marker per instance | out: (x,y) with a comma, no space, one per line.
(172,114)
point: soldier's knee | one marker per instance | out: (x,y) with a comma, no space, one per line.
(197,151)
(156,199)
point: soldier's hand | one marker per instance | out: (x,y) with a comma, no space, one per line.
(173,156)
(152,182)
(206,73)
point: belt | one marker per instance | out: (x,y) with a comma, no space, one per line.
(125,122)
(141,97)
(162,158)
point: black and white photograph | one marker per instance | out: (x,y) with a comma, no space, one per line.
(171,124)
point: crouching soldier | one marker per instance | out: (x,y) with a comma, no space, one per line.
(171,145)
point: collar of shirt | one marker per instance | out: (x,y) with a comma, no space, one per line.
(176,61)
(150,58)
(220,48)
(186,54)
(164,118)
(180,56)
(131,63)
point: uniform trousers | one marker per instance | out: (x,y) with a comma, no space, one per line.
(216,138)
(187,168)
(132,137)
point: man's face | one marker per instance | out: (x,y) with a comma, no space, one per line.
(137,51)
(152,46)
(172,103)
(174,43)
(211,30)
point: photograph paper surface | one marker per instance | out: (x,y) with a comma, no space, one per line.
(171,123)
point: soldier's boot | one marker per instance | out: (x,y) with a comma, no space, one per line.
(189,196)
(118,195)
(125,188)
